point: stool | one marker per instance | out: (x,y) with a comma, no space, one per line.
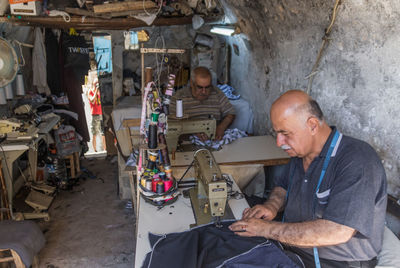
(9,255)
(72,163)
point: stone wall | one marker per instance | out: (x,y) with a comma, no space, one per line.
(357,84)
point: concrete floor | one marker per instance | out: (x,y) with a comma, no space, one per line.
(90,226)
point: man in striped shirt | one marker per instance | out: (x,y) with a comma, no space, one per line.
(203,101)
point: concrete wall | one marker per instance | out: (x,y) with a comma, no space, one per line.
(358,81)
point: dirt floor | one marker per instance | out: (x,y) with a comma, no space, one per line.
(90,226)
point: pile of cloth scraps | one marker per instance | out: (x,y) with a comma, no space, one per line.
(229,136)
(228,91)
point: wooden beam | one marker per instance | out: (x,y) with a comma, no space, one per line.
(123,6)
(85,23)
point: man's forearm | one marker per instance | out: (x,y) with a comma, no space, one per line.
(308,234)
(225,123)
(276,200)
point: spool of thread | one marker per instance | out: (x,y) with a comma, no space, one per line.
(151,164)
(9,92)
(179,108)
(163,176)
(152,174)
(160,187)
(165,108)
(143,180)
(20,85)
(153,156)
(154,116)
(152,136)
(167,185)
(149,184)
(168,172)
(3,99)
(154,184)
(164,152)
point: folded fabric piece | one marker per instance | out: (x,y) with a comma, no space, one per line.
(208,246)
(229,136)
(228,91)
(25,237)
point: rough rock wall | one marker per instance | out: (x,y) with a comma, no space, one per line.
(357,84)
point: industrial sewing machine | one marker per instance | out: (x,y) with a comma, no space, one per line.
(178,127)
(209,197)
(17,130)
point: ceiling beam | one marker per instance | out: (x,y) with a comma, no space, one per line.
(88,23)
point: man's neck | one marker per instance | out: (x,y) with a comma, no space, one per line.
(318,145)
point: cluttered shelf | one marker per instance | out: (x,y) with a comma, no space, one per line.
(121,15)
(87,23)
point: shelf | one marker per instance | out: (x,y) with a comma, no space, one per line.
(92,23)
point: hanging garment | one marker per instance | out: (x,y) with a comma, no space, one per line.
(39,63)
(208,247)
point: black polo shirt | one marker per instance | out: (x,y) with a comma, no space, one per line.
(352,193)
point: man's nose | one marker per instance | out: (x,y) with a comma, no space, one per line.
(280,139)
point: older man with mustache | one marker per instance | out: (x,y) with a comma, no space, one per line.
(333,191)
(203,101)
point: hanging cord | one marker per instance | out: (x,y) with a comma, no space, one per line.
(159,65)
(151,14)
(55,13)
(325,43)
(20,44)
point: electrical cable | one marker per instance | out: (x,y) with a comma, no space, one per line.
(151,14)
(191,164)
(323,46)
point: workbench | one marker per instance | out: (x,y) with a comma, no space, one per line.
(176,217)
(247,150)
(10,151)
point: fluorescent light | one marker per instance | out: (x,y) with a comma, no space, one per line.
(224,30)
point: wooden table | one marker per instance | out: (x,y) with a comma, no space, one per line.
(247,150)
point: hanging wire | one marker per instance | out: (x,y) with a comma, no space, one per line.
(324,44)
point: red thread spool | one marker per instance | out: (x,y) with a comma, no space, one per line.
(167,185)
(154,184)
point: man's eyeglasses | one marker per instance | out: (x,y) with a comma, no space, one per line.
(204,88)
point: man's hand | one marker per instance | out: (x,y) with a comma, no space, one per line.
(250,227)
(219,132)
(264,211)
(202,136)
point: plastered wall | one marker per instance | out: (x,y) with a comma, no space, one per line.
(358,79)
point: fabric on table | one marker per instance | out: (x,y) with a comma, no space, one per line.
(229,136)
(228,91)
(24,237)
(208,246)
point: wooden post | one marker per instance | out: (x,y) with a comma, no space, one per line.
(4,196)
(117,43)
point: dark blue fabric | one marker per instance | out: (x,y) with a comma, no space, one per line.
(267,255)
(208,247)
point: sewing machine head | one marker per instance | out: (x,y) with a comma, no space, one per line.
(210,196)
(178,127)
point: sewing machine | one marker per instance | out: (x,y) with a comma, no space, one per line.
(210,196)
(178,127)
(16,130)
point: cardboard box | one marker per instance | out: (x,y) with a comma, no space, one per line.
(31,8)
(19,1)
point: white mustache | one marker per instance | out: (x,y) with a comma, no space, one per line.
(286,147)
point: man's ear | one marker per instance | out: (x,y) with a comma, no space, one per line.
(313,124)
